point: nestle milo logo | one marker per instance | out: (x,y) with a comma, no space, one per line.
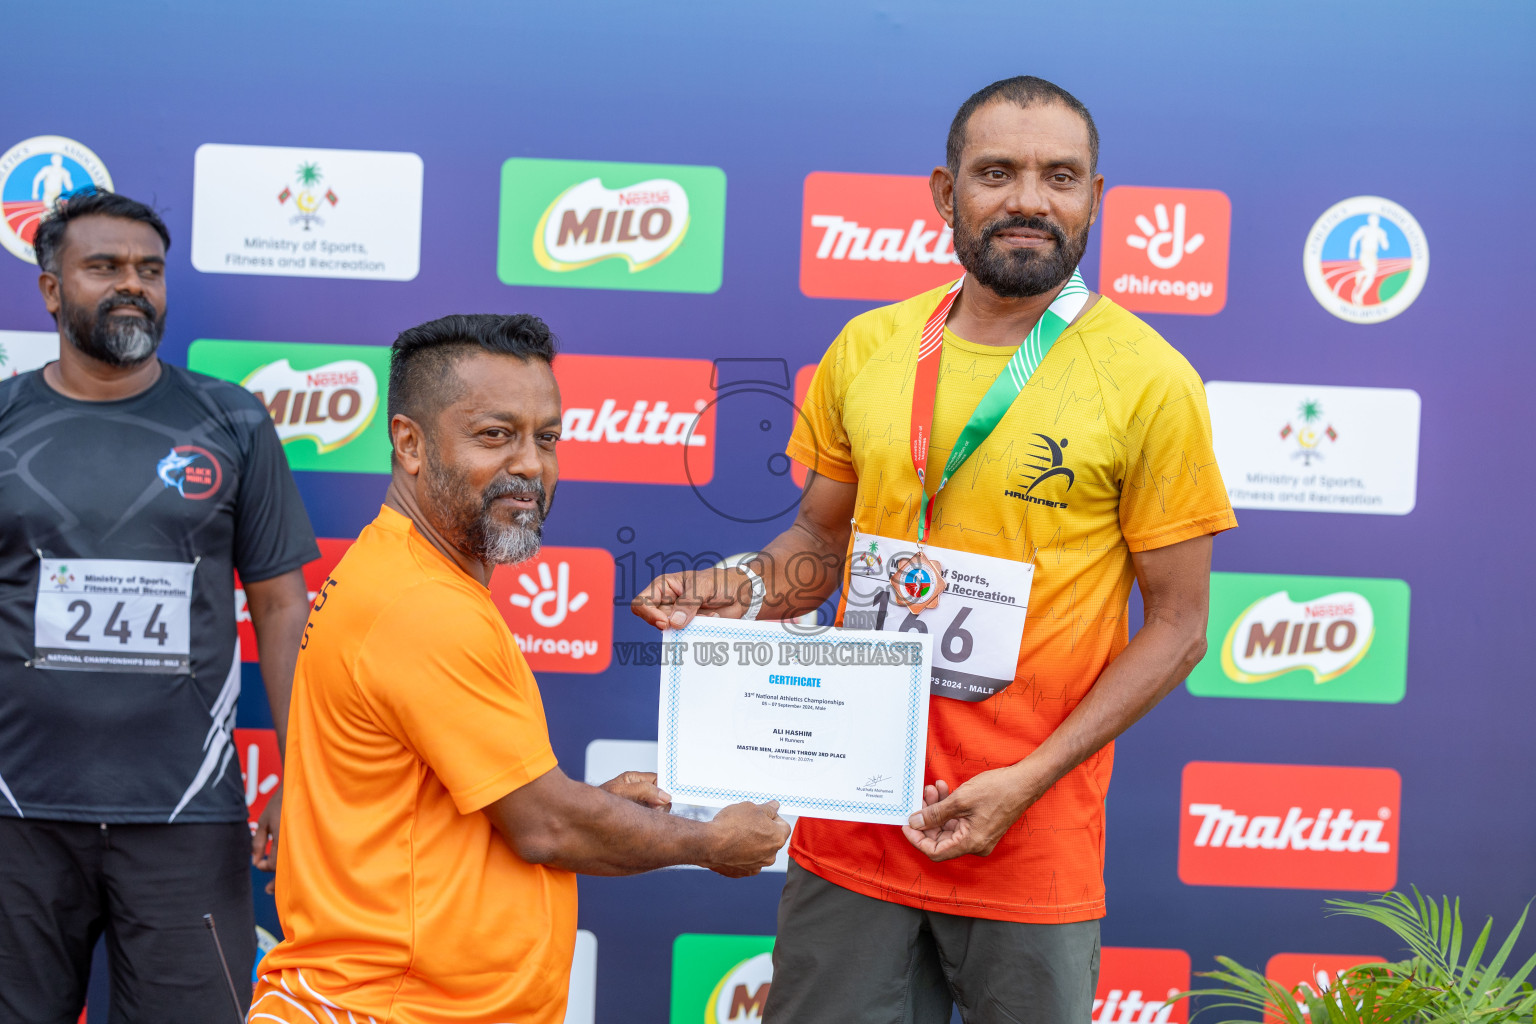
(324,400)
(596,224)
(1305,638)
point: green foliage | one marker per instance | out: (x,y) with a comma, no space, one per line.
(1435,985)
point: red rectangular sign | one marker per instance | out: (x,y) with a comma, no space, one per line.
(629,419)
(261,768)
(872,236)
(331,550)
(1317,971)
(559,606)
(1164,250)
(1137,985)
(1289,826)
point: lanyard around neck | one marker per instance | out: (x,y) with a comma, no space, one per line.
(995,403)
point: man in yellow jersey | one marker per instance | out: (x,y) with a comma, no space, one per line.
(1012,452)
(429,837)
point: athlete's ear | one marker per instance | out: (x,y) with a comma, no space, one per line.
(942,185)
(1098,199)
(406,439)
(48,284)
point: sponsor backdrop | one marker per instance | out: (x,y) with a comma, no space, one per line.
(698,197)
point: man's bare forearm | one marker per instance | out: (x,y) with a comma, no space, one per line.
(800,568)
(279,608)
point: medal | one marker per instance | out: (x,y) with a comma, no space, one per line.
(917,581)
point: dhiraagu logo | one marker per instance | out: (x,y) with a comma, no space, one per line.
(720,979)
(593,224)
(1305,638)
(326,401)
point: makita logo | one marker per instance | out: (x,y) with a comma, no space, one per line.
(872,236)
(641,224)
(1289,826)
(328,405)
(1275,635)
(1137,986)
(634,420)
(642,423)
(1326,830)
(849,240)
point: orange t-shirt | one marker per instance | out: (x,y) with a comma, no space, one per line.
(412,710)
(1121,418)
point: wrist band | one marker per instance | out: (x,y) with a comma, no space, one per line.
(759,590)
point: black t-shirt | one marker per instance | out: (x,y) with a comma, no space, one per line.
(122,525)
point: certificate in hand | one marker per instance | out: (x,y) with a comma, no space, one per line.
(833,724)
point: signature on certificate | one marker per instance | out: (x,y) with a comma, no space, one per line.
(875,779)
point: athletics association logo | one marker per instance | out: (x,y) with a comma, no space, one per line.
(1365,259)
(307,198)
(1164,250)
(1288,826)
(193,472)
(34,175)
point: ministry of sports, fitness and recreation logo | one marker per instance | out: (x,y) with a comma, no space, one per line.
(1366,259)
(1047,461)
(308,200)
(868,561)
(62,578)
(34,175)
(1308,431)
(192,471)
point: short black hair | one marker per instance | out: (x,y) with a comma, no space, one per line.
(88,202)
(1022,91)
(421,375)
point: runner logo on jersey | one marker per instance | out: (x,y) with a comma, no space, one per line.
(1289,826)
(1365,259)
(34,175)
(1044,462)
(630,419)
(592,224)
(872,236)
(559,606)
(193,472)
(1164,250)
(1138,985)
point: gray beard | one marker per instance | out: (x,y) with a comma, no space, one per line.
(516,542)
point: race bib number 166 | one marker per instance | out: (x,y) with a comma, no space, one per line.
(113,615)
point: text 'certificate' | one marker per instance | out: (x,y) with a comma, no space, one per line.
(831,724)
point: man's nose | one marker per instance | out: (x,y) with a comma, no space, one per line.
(1027,197)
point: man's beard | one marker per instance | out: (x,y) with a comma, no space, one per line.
(122,341)
(1019,273)
(471,521)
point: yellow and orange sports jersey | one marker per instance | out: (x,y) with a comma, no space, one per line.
(412,710)
(1115,405)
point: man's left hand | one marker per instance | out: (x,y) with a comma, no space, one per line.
(972,819)
(263,858)
(641,788)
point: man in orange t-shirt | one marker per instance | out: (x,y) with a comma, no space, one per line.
(429,838)
(1020,451)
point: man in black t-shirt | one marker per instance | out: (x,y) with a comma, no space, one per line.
(132,490)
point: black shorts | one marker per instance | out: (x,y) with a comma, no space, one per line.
(64,884)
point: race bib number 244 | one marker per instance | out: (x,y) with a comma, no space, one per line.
(113,615)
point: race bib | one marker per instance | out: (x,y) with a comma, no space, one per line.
(977,625)
(114,615)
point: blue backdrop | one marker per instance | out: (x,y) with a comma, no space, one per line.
(1287,108)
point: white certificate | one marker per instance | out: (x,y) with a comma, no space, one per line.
(831,723)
